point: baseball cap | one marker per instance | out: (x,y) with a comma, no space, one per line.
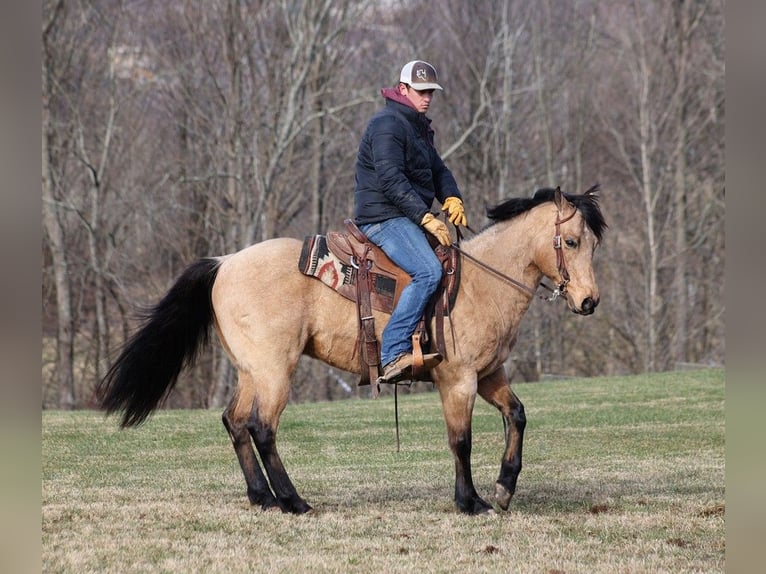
(420,75)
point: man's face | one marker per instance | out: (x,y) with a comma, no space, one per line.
(420,99)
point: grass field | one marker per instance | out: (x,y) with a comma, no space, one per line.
(620,475)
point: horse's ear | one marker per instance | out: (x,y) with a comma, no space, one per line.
(592,190)
(558,198)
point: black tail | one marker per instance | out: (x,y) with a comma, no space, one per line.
(173,333)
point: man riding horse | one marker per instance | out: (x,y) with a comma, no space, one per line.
(242,296)
(399,172)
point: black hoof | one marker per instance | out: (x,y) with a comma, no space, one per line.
(295,506)
(302,508)
(265,500)
(476,506)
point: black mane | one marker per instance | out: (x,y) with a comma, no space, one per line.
(586,204)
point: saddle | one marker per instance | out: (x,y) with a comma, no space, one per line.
(359,270)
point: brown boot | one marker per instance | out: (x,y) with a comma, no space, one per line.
(401,368)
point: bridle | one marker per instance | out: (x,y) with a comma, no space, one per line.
(560,262)
(561,265)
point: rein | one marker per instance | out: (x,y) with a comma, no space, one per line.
(561,289)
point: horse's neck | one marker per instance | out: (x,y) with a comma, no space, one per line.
(509,247)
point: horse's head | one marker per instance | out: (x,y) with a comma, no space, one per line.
(577,227)
(566,230)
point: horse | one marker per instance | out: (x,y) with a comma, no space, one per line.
(266,314)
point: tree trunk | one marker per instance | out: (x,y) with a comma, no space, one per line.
(219,391)
(649,200)
(54,232)
(542,63)
(679,193)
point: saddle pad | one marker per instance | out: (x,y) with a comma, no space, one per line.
(318,261)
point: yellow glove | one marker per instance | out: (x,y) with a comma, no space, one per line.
(436,228)
(456,211)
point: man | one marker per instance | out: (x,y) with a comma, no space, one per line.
(398,175)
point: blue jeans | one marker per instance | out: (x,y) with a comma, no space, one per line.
(406,245)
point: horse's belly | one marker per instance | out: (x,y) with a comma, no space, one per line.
(334,334)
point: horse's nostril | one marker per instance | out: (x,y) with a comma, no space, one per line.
(589,305)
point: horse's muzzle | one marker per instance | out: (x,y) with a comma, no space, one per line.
(588,306)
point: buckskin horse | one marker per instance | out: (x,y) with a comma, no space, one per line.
(267,314)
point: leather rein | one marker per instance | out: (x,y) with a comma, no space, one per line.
(560,289)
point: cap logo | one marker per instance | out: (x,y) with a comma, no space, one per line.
(420,75)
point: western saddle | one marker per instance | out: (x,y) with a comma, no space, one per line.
(375,282)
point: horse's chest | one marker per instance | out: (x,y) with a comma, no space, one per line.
(497,353)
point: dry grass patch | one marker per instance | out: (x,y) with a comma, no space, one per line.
(620,475)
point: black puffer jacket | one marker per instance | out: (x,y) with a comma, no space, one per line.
(398,170)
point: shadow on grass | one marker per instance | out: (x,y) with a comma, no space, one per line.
(541,498)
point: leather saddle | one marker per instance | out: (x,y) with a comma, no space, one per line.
(360,271)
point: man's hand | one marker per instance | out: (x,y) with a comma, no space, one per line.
(436,228)
(454,206)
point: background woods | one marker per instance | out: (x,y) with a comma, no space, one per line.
(173,130)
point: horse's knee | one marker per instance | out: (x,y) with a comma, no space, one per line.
(263,434)
(460,442)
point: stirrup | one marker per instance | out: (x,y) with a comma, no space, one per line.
(404,373)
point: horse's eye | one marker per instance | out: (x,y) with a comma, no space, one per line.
(571,243)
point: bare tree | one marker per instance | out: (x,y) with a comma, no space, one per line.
(652,131)
(634,131)
(258,113)
(693,30)
(53,226)
(174,130)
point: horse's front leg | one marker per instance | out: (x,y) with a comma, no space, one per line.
(458,409)
(496,390)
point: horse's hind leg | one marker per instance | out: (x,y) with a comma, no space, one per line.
(258,418)
(235,419)
(496,390)
(264,434)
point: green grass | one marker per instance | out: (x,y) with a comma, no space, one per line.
(620,475)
